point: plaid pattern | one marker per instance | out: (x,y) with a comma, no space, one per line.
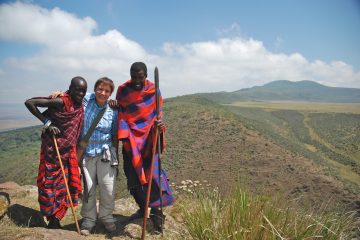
(136,124)
(69,122)
(167,197)
(51,186)
(105,129)
(136,118)
(52,196)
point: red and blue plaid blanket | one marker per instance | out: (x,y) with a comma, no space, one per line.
(137,114)
(51,186)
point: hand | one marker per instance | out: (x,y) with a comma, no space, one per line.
(113,103)
(53,130)
(57,94)
(160,125)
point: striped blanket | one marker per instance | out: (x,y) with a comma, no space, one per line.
(51,186)
(137,114)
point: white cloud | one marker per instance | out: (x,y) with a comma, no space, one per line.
(30,23)
(69,48)
(226,64)
(106,52)
(231,64)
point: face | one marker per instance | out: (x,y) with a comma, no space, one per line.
(102,93)
(77,91)
(138,80)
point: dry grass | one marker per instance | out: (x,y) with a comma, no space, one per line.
(243,216)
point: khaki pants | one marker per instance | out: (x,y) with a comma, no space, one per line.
(103,175)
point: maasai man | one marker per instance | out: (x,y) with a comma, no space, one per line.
(63,118)
(137,121)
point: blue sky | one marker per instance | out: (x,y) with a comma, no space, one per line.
(321,29)
(198,45)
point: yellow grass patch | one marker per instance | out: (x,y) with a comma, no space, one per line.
(310,147)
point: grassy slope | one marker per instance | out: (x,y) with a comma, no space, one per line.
(19,154)
(332,139)
(206,141)
(209,142)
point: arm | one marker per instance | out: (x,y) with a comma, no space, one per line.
(159,116)
(114,130)
(33,105)
(114,104)
(56,94)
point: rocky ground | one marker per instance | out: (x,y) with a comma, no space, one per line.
(22,219)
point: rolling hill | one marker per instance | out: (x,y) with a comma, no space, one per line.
(291,152)
(306,155)
(284,90)
(274,151)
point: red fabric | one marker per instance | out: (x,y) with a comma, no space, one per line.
(53,197)
(69,122)
(52,190)
(136,119)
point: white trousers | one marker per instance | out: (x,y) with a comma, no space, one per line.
(103,175)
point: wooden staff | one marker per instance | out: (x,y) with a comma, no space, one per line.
(157,138)
(159,143)
(66,185)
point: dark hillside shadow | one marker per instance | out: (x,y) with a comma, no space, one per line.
(24,216)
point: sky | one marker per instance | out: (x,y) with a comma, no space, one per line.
(198,45)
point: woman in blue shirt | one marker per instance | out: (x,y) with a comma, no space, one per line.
(99,162)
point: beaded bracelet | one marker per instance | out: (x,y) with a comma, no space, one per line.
(47,123)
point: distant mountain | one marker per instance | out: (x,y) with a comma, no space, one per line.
(284,90)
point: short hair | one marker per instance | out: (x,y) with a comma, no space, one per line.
(77,79)
(138,66)
(105,80)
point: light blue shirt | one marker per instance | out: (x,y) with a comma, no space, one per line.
(103,134)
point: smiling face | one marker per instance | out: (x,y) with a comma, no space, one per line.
(102,93)
(77,89)
(138,80)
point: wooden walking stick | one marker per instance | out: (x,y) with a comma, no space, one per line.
(66,185)
(157,135)
(156,74)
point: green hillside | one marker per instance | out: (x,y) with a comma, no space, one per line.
(303,154)
(332,140)
(19,154)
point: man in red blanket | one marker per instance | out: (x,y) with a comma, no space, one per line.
(63,118)
(137,120)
